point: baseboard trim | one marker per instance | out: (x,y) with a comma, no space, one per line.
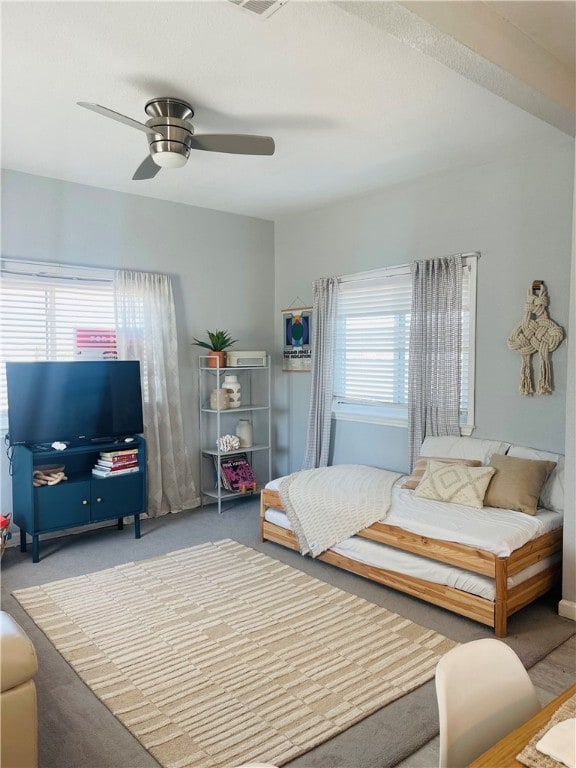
(567,609)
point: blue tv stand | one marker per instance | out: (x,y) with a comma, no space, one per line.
(80,500)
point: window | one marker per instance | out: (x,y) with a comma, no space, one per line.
(54,313)
(373,334)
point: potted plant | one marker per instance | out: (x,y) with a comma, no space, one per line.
(218,342)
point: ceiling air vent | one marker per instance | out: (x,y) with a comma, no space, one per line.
(262,8)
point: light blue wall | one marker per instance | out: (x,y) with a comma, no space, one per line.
(236,272)
(222,265)
(227,268)
(519,215)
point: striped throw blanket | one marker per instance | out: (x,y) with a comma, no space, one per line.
(327,505)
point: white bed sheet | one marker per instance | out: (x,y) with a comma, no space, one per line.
(381,556)
(499,531)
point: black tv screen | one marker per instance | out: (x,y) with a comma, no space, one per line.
(73,402)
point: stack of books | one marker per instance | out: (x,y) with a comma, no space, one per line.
(112,463)
(236,473)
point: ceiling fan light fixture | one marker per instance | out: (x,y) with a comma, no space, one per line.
(171,135)
(168,159)
(168,153)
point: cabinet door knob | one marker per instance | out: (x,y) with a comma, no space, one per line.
(98,499)
(84,501)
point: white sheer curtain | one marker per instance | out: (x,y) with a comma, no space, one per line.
(323,344)
(435,350)
(146,327)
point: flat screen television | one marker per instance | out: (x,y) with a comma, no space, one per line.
(74,402)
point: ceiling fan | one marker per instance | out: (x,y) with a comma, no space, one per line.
(171,136)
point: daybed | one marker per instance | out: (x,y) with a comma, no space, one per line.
(485,563)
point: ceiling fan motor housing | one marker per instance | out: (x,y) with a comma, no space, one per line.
(170,117)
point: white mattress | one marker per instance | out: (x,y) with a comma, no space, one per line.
(381,556)
(499,531)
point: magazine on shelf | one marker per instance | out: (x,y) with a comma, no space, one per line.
(236,472)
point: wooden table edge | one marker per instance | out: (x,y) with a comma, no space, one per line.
(503,754)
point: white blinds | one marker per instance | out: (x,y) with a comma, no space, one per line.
(373,326)
(42,316)
(467,336)
(373,332)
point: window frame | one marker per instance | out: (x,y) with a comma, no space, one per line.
(396,415)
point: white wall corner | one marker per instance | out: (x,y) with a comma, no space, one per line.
(567,609)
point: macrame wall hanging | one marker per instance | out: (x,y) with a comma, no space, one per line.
(536,333)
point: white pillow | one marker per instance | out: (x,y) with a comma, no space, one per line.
(454,447)
(552,495)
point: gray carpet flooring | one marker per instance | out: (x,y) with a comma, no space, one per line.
(77,730)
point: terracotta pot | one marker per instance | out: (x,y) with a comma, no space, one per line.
(216,359)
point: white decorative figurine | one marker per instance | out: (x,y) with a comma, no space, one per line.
(228,443)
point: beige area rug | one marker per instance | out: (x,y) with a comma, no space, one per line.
(218,655)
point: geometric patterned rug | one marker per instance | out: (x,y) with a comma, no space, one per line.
(219,655)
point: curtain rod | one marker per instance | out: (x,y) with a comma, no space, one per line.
(47,265)
(369,274)
(47,270)
(45,276)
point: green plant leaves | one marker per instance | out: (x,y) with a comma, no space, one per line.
(219,340)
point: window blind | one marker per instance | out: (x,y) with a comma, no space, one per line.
(466,341)
(373,327)
(42,317)
(373,334)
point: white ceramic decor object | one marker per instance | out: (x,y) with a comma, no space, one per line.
(245,433)
(228,443)
(232,386)
(219,399)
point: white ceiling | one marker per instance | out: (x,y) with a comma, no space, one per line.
(352,104)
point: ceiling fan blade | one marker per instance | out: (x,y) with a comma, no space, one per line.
(234,143)
(117,116)
(146,170)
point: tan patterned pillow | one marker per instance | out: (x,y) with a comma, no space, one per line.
(455,483)
(420,467)
(517,483)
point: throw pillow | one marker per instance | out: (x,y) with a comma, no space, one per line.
(552,495)
(420,467)
(463,447)
(517,483)
(455,483)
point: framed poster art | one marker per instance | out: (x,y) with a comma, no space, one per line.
(297,331)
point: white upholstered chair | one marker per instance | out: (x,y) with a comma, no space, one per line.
(483,693)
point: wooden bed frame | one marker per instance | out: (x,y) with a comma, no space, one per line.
(494,613)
